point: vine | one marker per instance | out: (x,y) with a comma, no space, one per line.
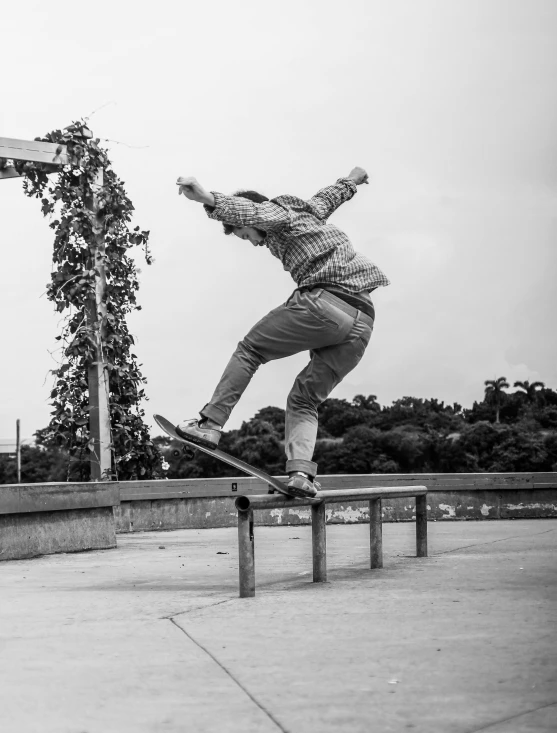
(67,196)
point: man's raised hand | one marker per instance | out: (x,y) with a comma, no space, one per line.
(190,187)
(358,175)
(193,190)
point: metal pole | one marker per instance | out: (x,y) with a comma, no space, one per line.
(99,414)
(18,450)
(421,526)
(275,501)
(375,534)
(246,554)
(319,542)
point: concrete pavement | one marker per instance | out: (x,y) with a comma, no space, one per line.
(152,636)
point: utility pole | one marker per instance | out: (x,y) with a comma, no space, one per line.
(18,450)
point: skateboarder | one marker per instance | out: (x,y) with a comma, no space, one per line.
(330,313)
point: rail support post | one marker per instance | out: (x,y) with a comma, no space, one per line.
(319,542)
(375,534)
(246,554)
(421,526)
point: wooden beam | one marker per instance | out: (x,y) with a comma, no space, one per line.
(99,412)
(35,151)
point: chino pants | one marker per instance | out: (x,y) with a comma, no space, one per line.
(336,335)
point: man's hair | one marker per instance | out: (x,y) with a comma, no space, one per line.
(254,196)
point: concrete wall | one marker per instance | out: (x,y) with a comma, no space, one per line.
(41,519)
(44,533)
(38,519)
(203,513)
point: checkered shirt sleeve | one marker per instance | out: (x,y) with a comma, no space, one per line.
(328,199)
(239,212)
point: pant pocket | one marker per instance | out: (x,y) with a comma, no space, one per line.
(327,313)
(365,337)
(325,318)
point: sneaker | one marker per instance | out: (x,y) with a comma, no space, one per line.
(194,431)
(302,485)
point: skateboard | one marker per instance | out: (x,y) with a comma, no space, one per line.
(273,482)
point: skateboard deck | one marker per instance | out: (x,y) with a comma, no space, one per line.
(273,482)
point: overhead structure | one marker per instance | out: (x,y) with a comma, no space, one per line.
(56,155)
(34,151)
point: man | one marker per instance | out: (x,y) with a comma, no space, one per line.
(330,314)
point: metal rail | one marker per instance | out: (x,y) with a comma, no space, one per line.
(246,505)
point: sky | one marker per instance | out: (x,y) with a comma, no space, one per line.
(451,107)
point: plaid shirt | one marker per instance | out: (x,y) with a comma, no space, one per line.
(310,249)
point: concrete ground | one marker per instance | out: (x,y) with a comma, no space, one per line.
(152,636)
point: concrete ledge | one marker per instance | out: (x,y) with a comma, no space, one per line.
(20,498)
(235,486)
(31,534)
(40,519)
(205,513)
(206,503)
(516,504)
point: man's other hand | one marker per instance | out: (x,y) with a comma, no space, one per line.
(193,190)
(358,175)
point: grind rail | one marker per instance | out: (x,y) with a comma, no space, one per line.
(246,505)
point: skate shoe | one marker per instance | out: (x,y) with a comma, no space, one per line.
(302,485)
(195,431)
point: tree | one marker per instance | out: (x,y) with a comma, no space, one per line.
(494,393)
(411,447)
(366,403)
(359,451)
(38,465)
(412,435)
(530,389)
(257,443)
(337,416)
(273,415)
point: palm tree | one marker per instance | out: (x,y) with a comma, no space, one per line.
(530,389)
(494,392)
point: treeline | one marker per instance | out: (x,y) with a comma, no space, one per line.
(505,431)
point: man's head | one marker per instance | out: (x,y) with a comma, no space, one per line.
(250,234)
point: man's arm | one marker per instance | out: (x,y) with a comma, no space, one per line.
(234,210)
(328,199)
(193,190)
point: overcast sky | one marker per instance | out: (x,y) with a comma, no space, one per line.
(451,106)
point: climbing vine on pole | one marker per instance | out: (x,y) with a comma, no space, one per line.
(66,194)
